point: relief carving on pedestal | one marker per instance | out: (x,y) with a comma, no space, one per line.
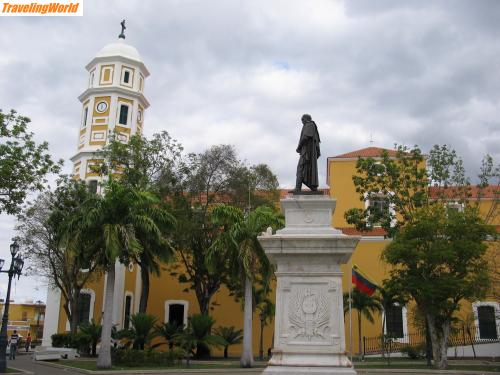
(309,314)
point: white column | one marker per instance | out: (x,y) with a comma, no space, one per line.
(51,315)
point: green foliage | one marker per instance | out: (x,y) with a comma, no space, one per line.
(141,164)
(93,331)
(78,341)
(230,335)
(168,331)
(363,303)
(414,351)
(439,259)
(208,178)
(197,336)
(44,233)
(23,163)
(139,358)
(142,330)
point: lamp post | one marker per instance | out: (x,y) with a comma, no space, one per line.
(16,266)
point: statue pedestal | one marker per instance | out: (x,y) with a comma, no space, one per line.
(309,321)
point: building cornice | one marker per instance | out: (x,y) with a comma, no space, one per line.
(114,89)
(122,59)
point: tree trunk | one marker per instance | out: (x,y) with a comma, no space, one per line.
(428,344)
(73,325)
(143,303)
(439,336)
(261,340)
(104,359)
(225,351)
(359,334)
(246,359)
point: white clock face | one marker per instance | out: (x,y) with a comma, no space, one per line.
(139,116)
(102,107)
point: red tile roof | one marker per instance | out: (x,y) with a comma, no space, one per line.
(369,152)
(350,231)
(489,192)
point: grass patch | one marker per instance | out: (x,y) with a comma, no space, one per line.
(92,365)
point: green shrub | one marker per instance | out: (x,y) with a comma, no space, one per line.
(79,341)
(136,358)
(413,352)
(61,340)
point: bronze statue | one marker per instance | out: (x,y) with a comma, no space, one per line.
(122,34)
(308,148)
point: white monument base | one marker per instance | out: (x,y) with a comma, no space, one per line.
(309,320)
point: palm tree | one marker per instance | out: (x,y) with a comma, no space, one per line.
(197,336)
(157,248)
(230,335)
(142,330)
(168,331)
(93,330)
(366,306)
(266,309)
(238,244)
(112,221)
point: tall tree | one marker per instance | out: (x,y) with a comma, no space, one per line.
(237,244)
(365,305)
(418,192)
(214,176)
(44,233)
(141,164)
(438,262)
(23,163)
(114,220)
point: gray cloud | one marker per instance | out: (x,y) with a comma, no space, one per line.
(243,72)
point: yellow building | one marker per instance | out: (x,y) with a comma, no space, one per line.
(28,317)
(115,101)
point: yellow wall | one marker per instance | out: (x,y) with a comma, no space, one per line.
(25,315)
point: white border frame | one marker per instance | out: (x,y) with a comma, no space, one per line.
(404,313)
(496,307)
(177,302)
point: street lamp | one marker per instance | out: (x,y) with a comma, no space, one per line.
(16,266)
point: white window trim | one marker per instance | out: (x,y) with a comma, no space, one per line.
(130,71)
(91,78)
(129,114)
(127,293)
(404,312)
(496,307)
(177,302)
(392,211)
(103,73)
(91,307)
(85,120)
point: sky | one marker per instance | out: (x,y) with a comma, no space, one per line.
(242,72)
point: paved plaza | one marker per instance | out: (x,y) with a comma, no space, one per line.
(26,364)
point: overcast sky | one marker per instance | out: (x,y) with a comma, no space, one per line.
(243,73)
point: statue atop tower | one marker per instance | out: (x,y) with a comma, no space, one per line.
(122,34)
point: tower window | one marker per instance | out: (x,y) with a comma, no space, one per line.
(126,77)
(85,115)
(123,114)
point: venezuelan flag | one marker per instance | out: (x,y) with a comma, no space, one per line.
(362,283)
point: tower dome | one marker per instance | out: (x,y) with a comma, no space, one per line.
(119,48)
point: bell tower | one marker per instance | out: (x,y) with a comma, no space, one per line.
(113,102)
